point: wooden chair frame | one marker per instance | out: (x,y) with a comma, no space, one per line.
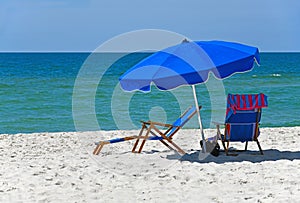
(152,131)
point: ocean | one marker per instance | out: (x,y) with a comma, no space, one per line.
(37,93)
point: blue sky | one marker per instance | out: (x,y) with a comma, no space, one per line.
(82,25)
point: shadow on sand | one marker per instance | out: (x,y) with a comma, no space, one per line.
(251,156)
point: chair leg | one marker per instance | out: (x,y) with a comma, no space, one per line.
(225,149)
(135,145)
(261,152)
(246,146)
(177,147)
(141,147)
(98,148)
(144,138)
(169,140)
(138,139)
(166,144)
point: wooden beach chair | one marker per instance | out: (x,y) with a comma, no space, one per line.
(243,115)
(150,131)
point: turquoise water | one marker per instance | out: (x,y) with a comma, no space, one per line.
(36,91)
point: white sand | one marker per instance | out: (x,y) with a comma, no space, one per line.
(60,167)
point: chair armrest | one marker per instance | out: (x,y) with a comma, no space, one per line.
(217,123)
(156,123)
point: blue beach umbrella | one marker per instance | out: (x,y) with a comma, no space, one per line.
(189,63)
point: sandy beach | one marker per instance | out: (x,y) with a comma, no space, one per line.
(60,167)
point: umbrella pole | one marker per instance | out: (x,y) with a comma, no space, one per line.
(199,118)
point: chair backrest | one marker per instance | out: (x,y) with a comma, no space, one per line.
(245,106)
(182,120)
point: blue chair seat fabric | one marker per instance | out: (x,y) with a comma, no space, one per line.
(241,133)
(242,119)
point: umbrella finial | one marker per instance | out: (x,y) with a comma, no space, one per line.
(185,41)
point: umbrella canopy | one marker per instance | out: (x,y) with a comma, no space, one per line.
(189,63)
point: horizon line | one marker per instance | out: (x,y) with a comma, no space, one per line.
(88,52)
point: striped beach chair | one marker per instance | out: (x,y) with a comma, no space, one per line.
(243,115)
(150,131)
